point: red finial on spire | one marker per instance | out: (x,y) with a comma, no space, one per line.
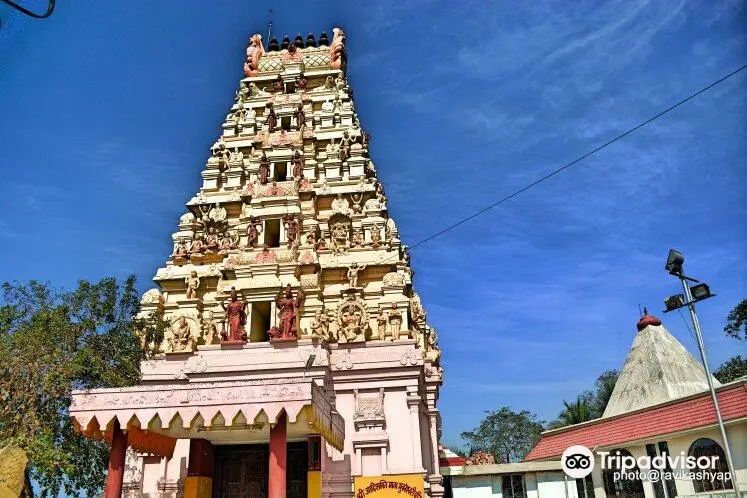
(647,320)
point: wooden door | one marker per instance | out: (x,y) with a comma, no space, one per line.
(241,471)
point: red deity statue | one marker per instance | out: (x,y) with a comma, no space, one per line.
(288,307)
(297,165)
(236,315)
(264,169)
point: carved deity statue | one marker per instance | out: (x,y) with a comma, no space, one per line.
(236,157)
(181,336)
(255,91)
(380,194)
(357,202)
(353,271)
(432,351)
(345,146)
(300,116)
(252,232)
(291,229)
(193,282)
(264,169)
(254,52)
(271,119)
(340,233)
(211,330)
(181,250)
(320,325)
(243,93)
(298,165)
(196,246)
(301,82)
(382,319)
(395,321)
(236,316)
(359,239)
(375,236)
(288,307)
(278,84)
(336,48)
(340,205)
(329,84)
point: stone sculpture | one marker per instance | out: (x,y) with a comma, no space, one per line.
(298,165)
(395,321)
(291,229)
(254,52)
(264,169)
(193,282)
(181,336)
(288,308)
(337,48)
(271,119)
(252,232)
(353,271)
(300,116)
(236,316)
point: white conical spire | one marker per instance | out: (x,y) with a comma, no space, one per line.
(658,369)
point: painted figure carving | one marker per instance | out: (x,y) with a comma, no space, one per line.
(320,325)
(181,336)
(243,93)
(264,169)
(359,239)
(254,52)
(357,202)
(381,321)
(375,236)
(298,164)
(301,82)
(288,307)
(181,250)
(211,330)
(236,316)
(291,229)
(340,232)
(193,282)
(252,232)
(340,205)
(300,116)
(353,271)
(337,48)
(395,321)
(196,246)
(272,119)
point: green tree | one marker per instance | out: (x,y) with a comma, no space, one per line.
(506,434)
(736,321)
(604,385)
(52,342)
(581,410)
(731,370)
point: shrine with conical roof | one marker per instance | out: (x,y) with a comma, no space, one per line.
(297,360)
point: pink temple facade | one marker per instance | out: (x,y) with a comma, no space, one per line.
(298,361)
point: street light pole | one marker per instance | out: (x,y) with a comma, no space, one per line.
(701,347)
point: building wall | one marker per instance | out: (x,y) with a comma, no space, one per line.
(737,433)
(538,485)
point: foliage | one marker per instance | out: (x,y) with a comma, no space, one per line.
(589,404)
(731,370)
(582,410)
(506,434)
(52,342)
(736,321)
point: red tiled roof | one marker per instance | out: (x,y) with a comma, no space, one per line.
(689,413)
(456,461)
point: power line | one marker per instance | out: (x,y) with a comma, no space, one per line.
(577,160)
(568,165)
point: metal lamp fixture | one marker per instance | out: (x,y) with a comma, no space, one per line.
(691,295)
(675,260)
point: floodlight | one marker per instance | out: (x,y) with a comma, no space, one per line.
(700,292)
(674,262)
(674,302)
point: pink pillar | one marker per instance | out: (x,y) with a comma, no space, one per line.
(278,453)
(115,474)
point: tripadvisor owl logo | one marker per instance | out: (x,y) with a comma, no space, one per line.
(577,461)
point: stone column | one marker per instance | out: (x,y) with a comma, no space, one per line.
(278,452)
(115,472)
(199,481)
(413,401)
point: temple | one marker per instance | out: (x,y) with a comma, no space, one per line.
(297,361)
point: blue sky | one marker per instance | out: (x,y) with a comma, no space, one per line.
(109,109)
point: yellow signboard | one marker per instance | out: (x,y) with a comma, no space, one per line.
(394,486)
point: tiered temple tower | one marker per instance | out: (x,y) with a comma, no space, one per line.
(298,361)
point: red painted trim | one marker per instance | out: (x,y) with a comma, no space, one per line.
(456,461)
(278,455)
(686,414)
(115,472)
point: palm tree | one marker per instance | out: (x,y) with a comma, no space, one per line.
(574,413)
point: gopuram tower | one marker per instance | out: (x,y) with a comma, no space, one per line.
(297,360)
